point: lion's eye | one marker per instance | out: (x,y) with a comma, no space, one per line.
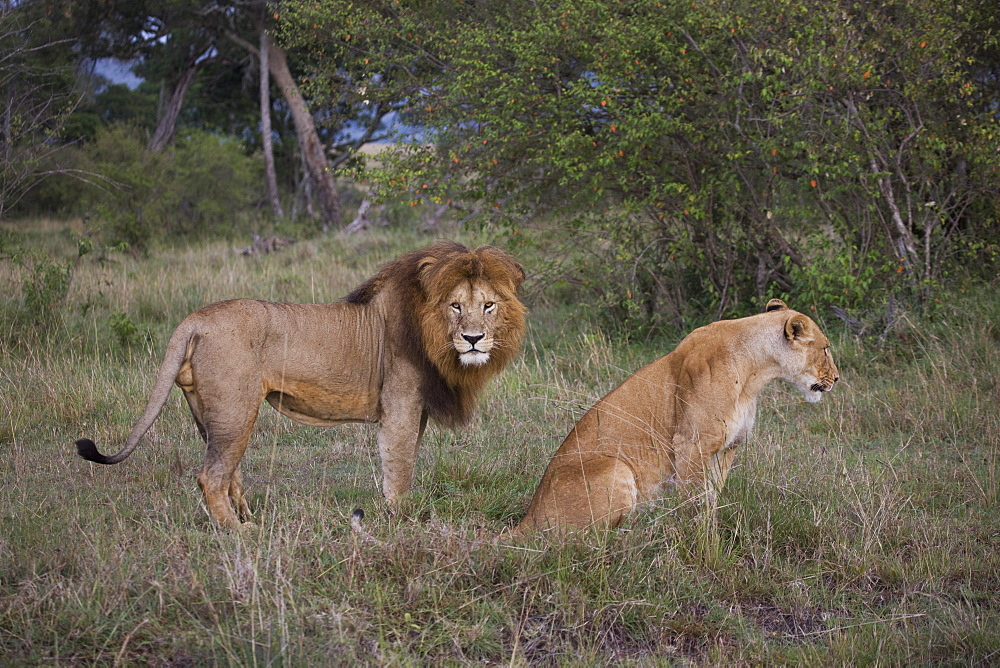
(489,306)
(456,307)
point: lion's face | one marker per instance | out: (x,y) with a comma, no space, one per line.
(471,320)
(472,312)
(808,364)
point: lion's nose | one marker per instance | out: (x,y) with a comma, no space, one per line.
(472,338)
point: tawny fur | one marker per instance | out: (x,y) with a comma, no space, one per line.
(678,420)
(392,352)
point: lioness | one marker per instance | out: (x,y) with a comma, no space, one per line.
(417,339)
(677,421)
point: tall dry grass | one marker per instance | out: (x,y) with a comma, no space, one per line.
(859,530)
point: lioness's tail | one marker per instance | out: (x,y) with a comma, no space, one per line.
(181,344)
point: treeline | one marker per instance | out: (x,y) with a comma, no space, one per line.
(687,157)
(713,153)
(201,70)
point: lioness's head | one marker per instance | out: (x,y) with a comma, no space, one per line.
(472,318)
(806,361)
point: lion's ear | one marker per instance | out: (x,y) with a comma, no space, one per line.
(426,262)
(511,268)
(427,273)
(775,305)
(517,275)
(424,270)
(797,329)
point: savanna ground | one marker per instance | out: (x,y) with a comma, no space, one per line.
(860,530)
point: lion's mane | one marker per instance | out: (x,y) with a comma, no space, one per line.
(419,281)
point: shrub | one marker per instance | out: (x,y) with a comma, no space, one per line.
(43,285)
(127,332)
(194,187)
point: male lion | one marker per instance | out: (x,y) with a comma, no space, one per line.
(677,421)
(418,338)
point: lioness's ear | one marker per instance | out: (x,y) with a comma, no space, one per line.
(775,305)
(797,329)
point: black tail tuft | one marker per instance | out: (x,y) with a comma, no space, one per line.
(359,530)
(87,449)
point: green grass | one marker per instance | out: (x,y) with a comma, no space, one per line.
(860,530)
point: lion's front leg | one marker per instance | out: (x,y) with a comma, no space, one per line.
(398,440)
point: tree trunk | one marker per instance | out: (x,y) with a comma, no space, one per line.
(312,148)
(360,221)
(265,129)
(902,237)
(167,124)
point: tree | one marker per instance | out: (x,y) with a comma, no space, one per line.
(177,41)
(265,128)
(170,39)
(722,151)
(313,151)
(189,56)
(36,84)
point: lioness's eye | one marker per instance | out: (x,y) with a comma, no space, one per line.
(457,307)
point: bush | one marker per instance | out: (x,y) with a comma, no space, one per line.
(44,284)
(196,186)
(128,332)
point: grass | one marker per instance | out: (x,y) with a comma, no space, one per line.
(861,530)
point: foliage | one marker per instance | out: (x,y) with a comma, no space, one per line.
(114,104)
(732,133)
(127,331)
(37,86)
(44,289)
(43,283)
(196,185)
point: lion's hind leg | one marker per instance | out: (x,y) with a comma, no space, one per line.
(222,486)
(220,479)
(237,496)
(225,424)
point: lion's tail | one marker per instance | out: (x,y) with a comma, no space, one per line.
(181,344)
(359,529)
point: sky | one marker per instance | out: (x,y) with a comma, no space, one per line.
(118,71)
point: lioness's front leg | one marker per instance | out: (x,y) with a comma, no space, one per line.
(718,471)
(700,463)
